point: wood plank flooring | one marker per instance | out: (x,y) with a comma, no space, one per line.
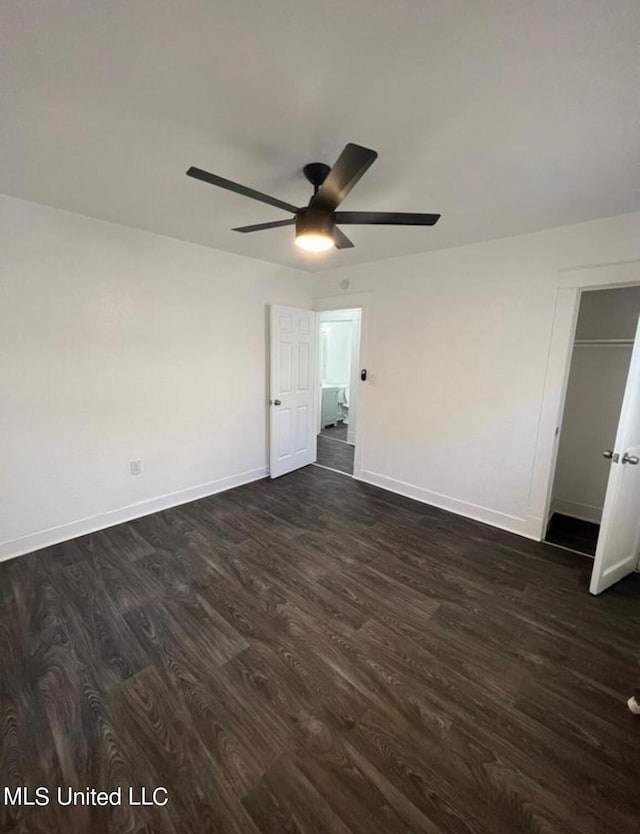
(338,431)
(313,654)
(335,454)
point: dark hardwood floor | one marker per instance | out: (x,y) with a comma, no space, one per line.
(313,654)
(573,533)
(335,454)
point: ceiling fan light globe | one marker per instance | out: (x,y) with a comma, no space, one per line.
(314,230)
(314,242)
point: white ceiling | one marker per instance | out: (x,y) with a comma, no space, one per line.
(505,116)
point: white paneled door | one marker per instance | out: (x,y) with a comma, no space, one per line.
(292,389)
(619,540)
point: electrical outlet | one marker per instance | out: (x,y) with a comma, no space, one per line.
(135,467)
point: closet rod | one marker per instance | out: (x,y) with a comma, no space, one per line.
(603,342)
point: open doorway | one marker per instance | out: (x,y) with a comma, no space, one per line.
(338,357)
(600,360)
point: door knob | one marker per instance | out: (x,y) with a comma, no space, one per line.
(632,459)
(608,453)
(277,402)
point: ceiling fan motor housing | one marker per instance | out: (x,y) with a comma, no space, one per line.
(316,173)
(314,222)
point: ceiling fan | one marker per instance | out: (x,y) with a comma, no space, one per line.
(317,224)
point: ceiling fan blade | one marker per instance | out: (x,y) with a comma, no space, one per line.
(213,179)
(350,166)
(341,240)
(258,227)
(386,218)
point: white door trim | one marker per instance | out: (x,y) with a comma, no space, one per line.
(571,283)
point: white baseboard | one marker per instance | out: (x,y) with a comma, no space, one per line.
(73,529)
(585,512)
(529,527)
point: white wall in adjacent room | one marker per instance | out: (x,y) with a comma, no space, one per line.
(609,314)
(592,408)
(457,343)
(119,345)
(335,358)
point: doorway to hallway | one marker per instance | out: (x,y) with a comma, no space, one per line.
(338,354)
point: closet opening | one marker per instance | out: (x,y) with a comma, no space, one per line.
(600,361)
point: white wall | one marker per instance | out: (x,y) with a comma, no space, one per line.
(457,347)
(117,344)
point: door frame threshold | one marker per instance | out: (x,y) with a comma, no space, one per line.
(568,549)
(336,440)
(338,471)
